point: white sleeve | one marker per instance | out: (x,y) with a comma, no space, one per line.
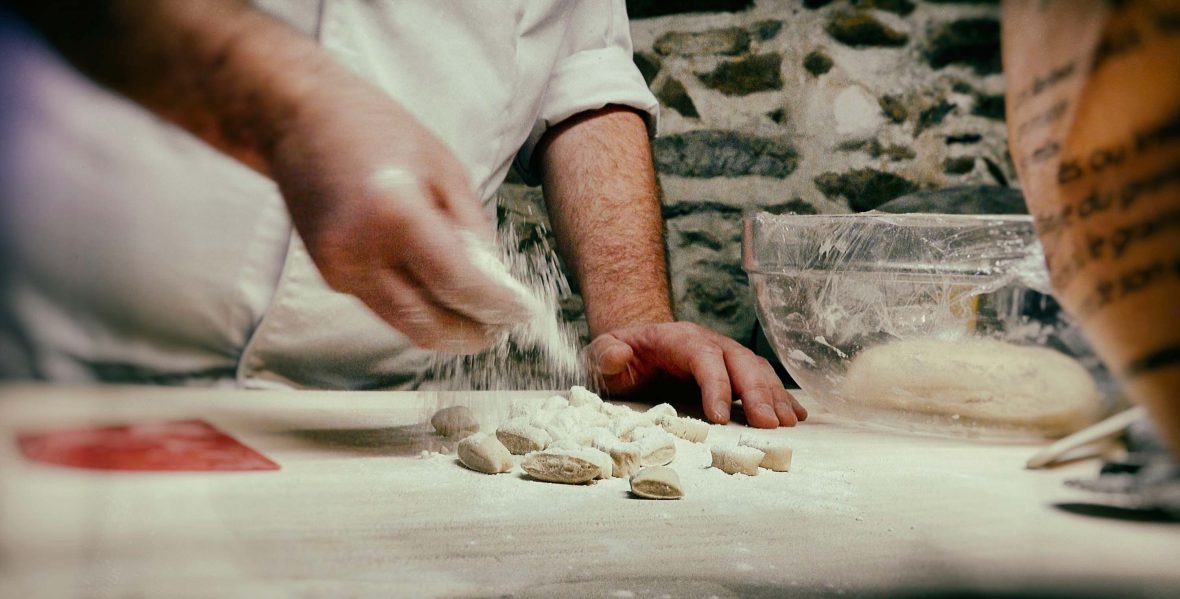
(596,69)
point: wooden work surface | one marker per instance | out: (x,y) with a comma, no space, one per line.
(356,510)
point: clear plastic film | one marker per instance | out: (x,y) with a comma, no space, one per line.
(920,321)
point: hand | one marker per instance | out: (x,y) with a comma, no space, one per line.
(378,200)
(640,357)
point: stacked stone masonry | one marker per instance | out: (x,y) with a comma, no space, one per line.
(802,106)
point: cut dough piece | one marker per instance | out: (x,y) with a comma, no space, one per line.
(484,453)
(736,459)
(627,457)
(689,429)
(555,402)
(520,437)
(567,466)
(656,448)
(455,421)
(522,407)
(581,396)
(614,410)
(658,411)
(625,425)
(595,436)
(777,453)
(977,381)
(657,482)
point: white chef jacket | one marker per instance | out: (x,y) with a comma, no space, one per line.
(138,253)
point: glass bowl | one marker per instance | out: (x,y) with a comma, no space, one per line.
(930,323)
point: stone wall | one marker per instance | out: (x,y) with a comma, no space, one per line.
(803,106)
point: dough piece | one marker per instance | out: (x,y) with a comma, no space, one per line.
(657,482)
(777,453)
(626,457)
(625,425)
(522,408)
(571,467)
(658,411)
(595,437)
(606,464)
(555,402)
(689,429)
(977,381)
(520,437)
(614,410)
(484,453)
(736,459)
(581,396)
(656,448)
(455,421)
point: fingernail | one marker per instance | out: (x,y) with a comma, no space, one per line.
(766,410)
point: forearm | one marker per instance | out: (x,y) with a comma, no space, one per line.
(603,200)
(219,68)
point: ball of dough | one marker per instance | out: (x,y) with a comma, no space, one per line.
(978,380)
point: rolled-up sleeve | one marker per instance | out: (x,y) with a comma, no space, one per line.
(596,70)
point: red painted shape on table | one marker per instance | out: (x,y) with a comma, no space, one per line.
(176,446)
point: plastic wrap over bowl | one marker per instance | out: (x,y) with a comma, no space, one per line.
(931,323)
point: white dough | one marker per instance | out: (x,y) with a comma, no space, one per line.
(627,457)
(455,421)
(689,429)
(613,410)
(736,459)
(484,453)
(625,425)
(977,380)
(656,448)
(555,402)
(520,437)
(581,396)
(657,411)
(777,453)
(567,466)
(657,482)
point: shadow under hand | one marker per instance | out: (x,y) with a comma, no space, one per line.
(385,441)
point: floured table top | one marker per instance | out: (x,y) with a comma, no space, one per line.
(356,509)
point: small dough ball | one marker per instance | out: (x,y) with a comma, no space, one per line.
(626,457)
(736,459)
(521,408)
(571,467)
(595,436)
(555,402)
(581,396)
(689,429)
(484,453)
(656,448)
(520,437)
(657,482)
(614,410)
(977,380)
(625,425)
(657,411)
(777,453)
(455,421)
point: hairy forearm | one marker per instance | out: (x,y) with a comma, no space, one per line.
(602,196)
(219,68)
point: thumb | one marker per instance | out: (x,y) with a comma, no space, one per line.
(609,355)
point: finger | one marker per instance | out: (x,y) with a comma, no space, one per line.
(748,373)
(433,327)
(609,356)
(452,191)
(707,366)
(800,411)
(784,409)
(436,257)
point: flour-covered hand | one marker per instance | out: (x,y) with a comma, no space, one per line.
(636,359)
